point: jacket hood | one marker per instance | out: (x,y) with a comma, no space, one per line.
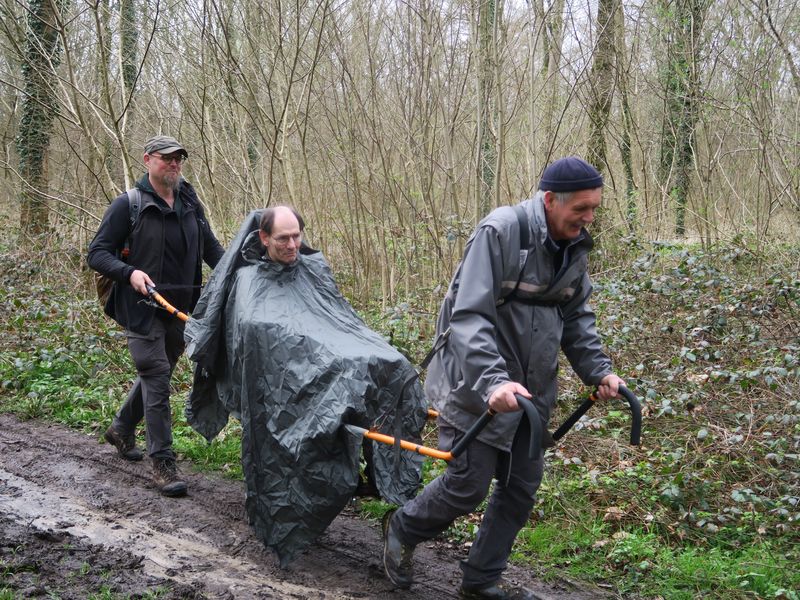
(144,184)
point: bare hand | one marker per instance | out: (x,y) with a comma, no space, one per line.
(139,282)
(503,400)
(609,387)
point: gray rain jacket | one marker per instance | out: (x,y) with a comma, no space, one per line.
(495,339)
(280,348)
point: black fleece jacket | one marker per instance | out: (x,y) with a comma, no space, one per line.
(168,244)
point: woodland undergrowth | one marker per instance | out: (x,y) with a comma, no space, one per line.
(707,338)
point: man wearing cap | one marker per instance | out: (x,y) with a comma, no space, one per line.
(509,309)
(166,239)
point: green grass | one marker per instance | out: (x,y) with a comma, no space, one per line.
(56,387)
(639,562)
(709,506)
(753,572)
(222,455)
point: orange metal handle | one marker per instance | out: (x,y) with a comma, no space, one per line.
(404,444)
(166,305)
(457,449)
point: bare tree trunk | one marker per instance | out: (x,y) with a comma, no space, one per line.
(602,89)
(681,81)
(487,142)
(554,38)
(625,150)
(602,84)
(42,54)
(129,59)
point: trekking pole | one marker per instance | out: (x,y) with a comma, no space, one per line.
(633,403)
(166,305)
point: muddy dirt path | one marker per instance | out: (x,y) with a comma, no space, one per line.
(76,520)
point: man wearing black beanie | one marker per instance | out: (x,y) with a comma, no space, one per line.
(519,295)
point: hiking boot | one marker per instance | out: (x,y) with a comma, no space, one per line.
(125,444)
(397,557)
(167,477)
(501,590)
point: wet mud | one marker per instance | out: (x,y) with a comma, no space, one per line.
(77,521)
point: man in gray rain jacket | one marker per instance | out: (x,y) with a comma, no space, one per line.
(508,311)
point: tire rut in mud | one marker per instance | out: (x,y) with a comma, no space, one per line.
(76,519)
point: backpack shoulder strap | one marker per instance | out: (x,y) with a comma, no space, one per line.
(524,227)
(134,206)
(524,244)
(202,224)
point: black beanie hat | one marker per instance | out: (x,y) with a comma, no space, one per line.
(570,174)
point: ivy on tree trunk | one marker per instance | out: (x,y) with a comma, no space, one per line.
(681,85)
(602,85)
(42,56)
(487,142)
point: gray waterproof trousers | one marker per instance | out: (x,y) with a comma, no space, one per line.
(155,355)
(462,487)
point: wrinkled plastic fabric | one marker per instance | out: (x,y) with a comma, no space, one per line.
(283,351)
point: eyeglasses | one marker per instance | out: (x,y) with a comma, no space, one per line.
(177,159)
(284,239)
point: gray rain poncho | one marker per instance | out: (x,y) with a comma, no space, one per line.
(282,350)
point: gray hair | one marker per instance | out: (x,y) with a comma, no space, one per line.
(563,197)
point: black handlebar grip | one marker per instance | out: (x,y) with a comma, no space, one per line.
(636,415)
(536,426)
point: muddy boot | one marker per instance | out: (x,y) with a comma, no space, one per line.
(397,557)
(125,444)
(167,477)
